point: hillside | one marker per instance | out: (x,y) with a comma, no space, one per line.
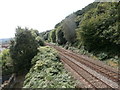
(75,54)
(92,30)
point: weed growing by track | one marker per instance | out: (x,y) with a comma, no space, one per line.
(47,71)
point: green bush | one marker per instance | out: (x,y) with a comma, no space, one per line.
(37,37)
(60,39)
(102,56)
(68,27)
(6,62)
(47,71)
(24,48)
(45,35)
(98,29)
(52,36)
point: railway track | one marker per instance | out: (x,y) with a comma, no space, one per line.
(109,73)
(95,73)
(95,82)
(104,71)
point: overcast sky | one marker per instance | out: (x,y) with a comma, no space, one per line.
(37,14)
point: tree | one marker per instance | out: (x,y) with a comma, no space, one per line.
(69,27)
(60,39)
(52,36)
(23,49)
(98,29)
(37,37)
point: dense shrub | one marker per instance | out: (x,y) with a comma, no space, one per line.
(69,27)
(99,29)
(52,36)
(47,71)
(6,62)
(60,39)
(37,37)
(45,35)
(24,48)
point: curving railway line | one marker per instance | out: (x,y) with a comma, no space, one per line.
(95,73)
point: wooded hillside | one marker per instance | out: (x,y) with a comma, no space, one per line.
(94,29)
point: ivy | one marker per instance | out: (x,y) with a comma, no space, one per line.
(47,71)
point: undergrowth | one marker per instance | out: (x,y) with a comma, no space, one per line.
(47,71)
(111,60)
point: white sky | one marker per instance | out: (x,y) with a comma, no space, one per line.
(37,14)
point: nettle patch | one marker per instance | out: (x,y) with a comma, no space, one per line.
(47,71)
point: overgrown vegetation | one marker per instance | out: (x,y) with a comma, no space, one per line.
(92,31)
(24,48)
(47,71)
(96,31)
(6,62)
(69,27)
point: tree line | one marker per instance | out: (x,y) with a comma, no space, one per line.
(95,27)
